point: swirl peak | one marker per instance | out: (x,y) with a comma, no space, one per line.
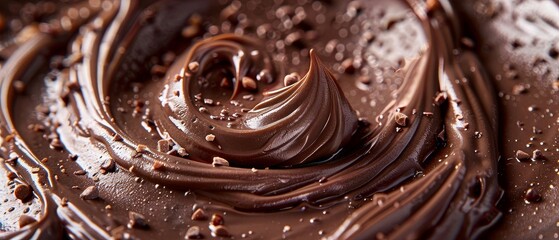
(300,123)
(306,121)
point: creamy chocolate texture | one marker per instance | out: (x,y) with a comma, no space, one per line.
(315,118)
(279,119)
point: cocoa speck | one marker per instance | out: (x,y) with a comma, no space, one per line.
(90,193)
(193,67)
(64,202)
(117,138)
(140,148)
(532,196)
(137,220)
(19,86)
(537,155)
(182,152)
(265,76)
(248,97)
(401,119)
(11,175)
(291,79)
(56,144)
(440,98)
(193,233)
(210,137)
(314,220)
(163,145)
(220,231)
(532,108)
(199,215)
(190,31)
(519,89)
(248,83)
(158,165)
(108,165)
(177,77)
(522,156)
(217,220)
(224,83)
(219,161)
(22,191)
(347,66)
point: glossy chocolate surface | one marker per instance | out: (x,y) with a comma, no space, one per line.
(279,119)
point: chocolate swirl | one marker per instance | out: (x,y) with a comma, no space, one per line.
(424,167)
(307,121)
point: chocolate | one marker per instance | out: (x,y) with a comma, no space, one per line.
(393,130)
(522,156)
(199,215)
(137,220)
(193,233)
(22,192)
(25,220)
(90,193)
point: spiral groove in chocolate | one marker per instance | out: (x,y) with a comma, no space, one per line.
(147,126)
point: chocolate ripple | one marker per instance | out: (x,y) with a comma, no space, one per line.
(418,171)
